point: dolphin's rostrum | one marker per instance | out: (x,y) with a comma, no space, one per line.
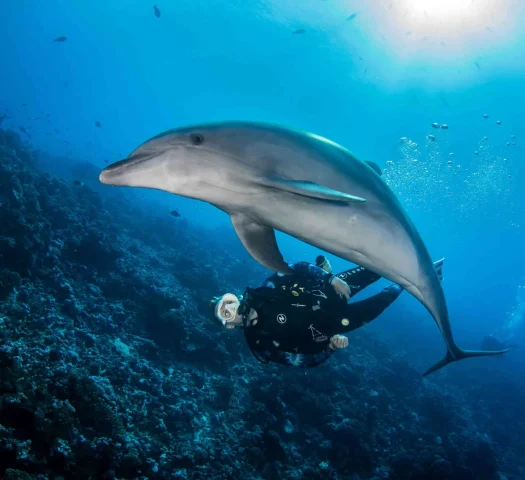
(268,178)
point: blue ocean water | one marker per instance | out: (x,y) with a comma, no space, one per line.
(371,75)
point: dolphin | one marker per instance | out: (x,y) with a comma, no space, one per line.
(269,177)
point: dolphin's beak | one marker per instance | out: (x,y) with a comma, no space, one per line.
(118,173)
(109,176)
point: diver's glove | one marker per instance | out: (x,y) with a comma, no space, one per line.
(341,287)
(338,341)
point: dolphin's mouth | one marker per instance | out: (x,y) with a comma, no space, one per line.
(116,170)
(127,162)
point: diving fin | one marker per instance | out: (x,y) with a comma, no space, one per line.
(311,189)
(375,167)
(460,355)
(260,242)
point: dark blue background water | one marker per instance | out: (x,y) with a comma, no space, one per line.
(388,73)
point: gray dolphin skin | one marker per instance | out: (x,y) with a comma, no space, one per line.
(268,177)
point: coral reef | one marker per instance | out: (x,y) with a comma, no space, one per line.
(111,368)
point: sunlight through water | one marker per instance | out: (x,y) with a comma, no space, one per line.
(454,21)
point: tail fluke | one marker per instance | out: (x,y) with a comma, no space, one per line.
(460,355)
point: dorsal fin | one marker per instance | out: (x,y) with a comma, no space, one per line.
(374,166)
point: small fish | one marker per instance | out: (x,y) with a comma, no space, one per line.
(300,31)
(98,124)
(60,39)
(156,11)
(478,66)
(351,17)
(175,213)
(23,130)
(489,29)
(78,183)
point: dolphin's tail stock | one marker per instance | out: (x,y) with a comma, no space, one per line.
(460,355)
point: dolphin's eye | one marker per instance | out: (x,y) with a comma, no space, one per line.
(196,139)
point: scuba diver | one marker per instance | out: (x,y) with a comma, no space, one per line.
(491,342)
(298,319)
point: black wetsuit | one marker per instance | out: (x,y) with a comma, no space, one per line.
(298,314)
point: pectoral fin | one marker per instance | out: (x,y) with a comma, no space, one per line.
(260,242)
(312,189)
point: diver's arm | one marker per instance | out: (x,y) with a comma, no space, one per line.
(293,359)
(302,270)
(319,276)
(267,351)
(317,358)
(312,360)
(312,272)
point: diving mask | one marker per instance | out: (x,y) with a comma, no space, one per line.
(226,308)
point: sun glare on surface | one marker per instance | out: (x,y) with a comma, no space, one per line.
(449,16)
(438,9)
(448,28)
